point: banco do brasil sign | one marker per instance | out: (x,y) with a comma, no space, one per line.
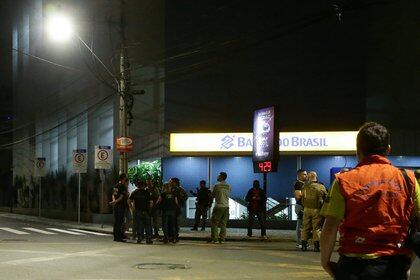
(339,141)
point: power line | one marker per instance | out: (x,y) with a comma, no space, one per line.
(192,67)
(102,101)
(47,61)
(57,108)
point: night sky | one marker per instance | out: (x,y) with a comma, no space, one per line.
(297,56)
(324,72)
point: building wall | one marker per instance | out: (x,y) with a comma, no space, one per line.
(62,108)
(6,104)
(190,170)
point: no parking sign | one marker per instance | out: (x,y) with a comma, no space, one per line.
(103,157)
(79,161)
(39,168)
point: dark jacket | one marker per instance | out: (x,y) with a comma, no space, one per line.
(204,197)
(256,205)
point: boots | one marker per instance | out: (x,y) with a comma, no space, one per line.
(316,246)
(304,245)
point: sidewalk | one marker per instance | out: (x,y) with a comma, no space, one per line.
(233,234)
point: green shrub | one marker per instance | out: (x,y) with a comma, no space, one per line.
(146,171)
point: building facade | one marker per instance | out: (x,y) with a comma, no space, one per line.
(64,99)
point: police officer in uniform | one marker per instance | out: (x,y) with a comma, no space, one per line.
(182,197)
(143,204)
(313,196)
(119,203)
(202,205)
(302,176)
(155,193)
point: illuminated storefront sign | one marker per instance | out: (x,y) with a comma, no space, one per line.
(265,151)
(337,141)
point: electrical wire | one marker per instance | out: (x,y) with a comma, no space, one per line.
(47,61)
(101,102)
(193,67)
(57,108)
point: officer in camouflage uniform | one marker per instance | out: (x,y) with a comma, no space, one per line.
(313,196)
(302,176)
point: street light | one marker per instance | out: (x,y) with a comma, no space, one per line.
(60,28)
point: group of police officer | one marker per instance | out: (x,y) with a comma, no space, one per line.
(310,196)
(148,199)
(145,202)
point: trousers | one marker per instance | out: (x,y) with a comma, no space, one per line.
(383,268)
(219,218)
(251,218)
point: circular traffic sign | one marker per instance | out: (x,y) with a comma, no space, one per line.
(103,155)
(40,164)
(79,158)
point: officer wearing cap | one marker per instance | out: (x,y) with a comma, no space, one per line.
(313,196)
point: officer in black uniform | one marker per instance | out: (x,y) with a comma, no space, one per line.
(119,204)
(143,204)
(155,193)
(182,197)
(202,205)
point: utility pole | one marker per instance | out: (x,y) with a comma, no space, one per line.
(123,163)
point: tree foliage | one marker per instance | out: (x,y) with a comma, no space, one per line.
(146,171)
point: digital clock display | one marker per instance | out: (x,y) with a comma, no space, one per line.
(264,166)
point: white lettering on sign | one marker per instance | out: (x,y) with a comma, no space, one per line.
(339,141)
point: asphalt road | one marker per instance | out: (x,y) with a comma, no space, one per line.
(40,251)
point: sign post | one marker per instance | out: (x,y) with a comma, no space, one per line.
(103,161)
(265,147)
(79,166)
(40,171)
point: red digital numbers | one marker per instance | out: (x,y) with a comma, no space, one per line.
(265,166)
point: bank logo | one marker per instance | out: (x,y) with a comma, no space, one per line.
(227,142)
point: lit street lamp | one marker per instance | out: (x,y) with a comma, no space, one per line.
(60,28)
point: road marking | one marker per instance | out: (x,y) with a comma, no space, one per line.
(14,231)
(29,252)
(60,256)
(39,230)
(65,231)
(89,232)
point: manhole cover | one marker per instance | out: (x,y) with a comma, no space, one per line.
(160,266)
